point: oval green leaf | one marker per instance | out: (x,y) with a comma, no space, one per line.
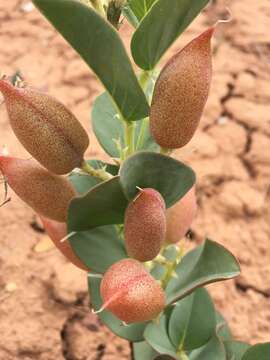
(133,332)
(104,204)
(170,177)
(193,321)
(109,129)
(99,44)
(140,7)
(166,20)
(258,352)
(235,349)
(143,351)
(213,350)
(206,264)
(84,182)
(157,337)
(98,248)
(222,328)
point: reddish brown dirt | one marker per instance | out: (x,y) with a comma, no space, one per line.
(45,317)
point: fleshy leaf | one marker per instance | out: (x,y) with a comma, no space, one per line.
(213,350)
(145,169)
(133,332)
(98,248)
(206,264)
(156,335)
(235,349)
(193,321)
(99,44)
(166,20)
(104,204)
(258,352)
(143,351)
(84,182)
(109,129)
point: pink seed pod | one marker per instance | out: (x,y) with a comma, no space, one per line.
(46,128)
(145,225)
(58,231)
(180,217)
(181,92)
(131,293)
(48,194)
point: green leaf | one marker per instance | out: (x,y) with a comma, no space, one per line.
(213,350)
(140,7)
(165,357)
(170,177)
(161,27)
(235,349)
(142,351)
(104,204)
(206,264)
(222,328)
(99,44)
(133,332)
(108,127)
(258,352)
(84,183)
(156,334)
(193,321)
(98,248)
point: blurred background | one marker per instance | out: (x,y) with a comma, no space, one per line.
(43,299)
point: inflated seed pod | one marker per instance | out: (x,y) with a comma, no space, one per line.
(45,127)
(145,225)
(58,231)
(180,217)
(131,293)
(181,92)
(48,194)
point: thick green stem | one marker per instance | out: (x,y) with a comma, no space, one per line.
(98,6)
(183,356)
(129,138)
(171,267)
(98,173)
(140,139)
(165,151)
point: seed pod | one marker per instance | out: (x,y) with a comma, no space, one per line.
(145,225)
(46,128)
(180,217)
(131,293)
(57,231)
(48,194)
(181,92)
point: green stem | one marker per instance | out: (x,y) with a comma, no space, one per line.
(142,133)
(183,355)
(171,267)
(98,6)
(129,137)
(145,76)
(98,173)
(165,151)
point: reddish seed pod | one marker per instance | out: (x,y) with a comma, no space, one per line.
(145,225)
(131,293)
(46,128)
(181,92)
(180,217)
(48,194)
(57,231)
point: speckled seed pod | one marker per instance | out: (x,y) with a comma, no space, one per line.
(48,194)
(145,225)
(181,92)
(46,128)
(180,217)
(57,231)
(131,293)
